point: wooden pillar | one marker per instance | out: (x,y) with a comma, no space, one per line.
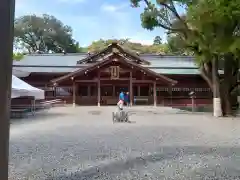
(149,90)
(170,92)
(131,90)
(74,94)
(139,90)
(89,90)
(99,90)
(155,93)
(54,91)
(113,93)
(6,48)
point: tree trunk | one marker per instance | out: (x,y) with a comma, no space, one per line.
(229,81)
(225,88)
(226,101)
(217,104)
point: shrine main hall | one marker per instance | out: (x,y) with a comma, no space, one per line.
(97,79)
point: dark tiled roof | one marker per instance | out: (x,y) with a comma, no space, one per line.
(184,64)
(46,69)
(51,59)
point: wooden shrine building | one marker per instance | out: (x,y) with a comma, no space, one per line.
(97,79)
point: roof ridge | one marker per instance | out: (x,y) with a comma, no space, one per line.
(56,54)
(165,55)
(86,54)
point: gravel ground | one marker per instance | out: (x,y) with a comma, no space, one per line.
(161,143)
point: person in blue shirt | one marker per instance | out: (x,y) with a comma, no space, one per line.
(121,96)
(127,99)
(121,100)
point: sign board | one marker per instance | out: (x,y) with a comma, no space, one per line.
(114,70)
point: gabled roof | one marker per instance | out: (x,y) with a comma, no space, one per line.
(114,47)
(65,63)
(109,60)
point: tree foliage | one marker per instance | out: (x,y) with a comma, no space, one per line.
(96,46)
(157,40)
(216,23)
(44,33)
(209,29)
(17,56)
(176,45)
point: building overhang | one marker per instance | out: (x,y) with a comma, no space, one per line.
(107,60)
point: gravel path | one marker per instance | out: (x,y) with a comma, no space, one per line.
(82,143)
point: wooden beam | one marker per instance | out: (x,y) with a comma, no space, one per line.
(120,79)
(107,70)
(87,81)
(6,51)
(108,79)
(115,84)
(142,81)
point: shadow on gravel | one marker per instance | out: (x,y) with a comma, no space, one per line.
(187,162)
(94,112)
(173,112)
(150,112)
(41,115)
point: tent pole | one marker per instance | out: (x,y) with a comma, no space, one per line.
(7,8)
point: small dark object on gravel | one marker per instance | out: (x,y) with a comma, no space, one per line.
(120,116)
(95,112)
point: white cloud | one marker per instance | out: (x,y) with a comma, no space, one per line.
(113,8)
(140,37)
(142,41)
(20,6)
(71,1)
(114,21)
(145,37)
(109,8)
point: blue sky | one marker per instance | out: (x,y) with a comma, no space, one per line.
(93,19)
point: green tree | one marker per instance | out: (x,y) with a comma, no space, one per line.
(17,56)
(96,46)
(218,41)
(44,33)
(176,45)
(157,40)
(202,32)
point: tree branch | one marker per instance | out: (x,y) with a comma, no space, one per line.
(147,2)
(174,11)
(233,87)
(207,74)
(170,29)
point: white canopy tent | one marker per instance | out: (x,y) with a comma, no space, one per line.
(21,88)
(20,73)
(15,94)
